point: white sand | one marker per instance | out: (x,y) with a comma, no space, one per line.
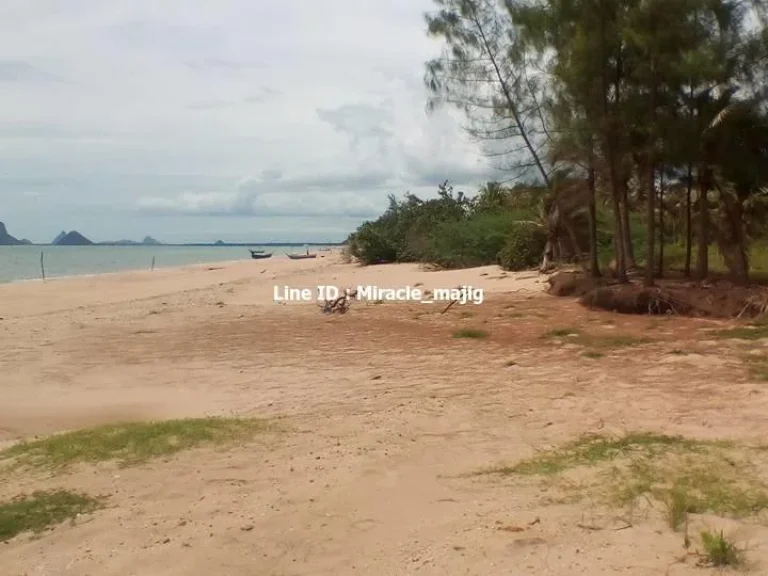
(387,416)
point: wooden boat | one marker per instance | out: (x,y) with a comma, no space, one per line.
(301,256)
(260,254)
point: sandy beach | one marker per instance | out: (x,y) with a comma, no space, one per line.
(388,418)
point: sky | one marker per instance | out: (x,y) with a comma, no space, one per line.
(275,120)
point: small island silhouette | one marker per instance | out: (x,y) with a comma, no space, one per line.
(75,238)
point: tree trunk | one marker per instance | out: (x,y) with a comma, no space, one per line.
(594,265)
(626,230)
(610,139)
(702,264)
(618,235)
(651,215)
(660,271)
(733,240)
(688,227)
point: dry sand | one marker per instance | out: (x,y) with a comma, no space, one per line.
(388,416)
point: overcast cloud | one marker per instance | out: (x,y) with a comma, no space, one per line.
(234,120)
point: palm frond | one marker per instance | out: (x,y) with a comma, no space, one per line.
(722,116)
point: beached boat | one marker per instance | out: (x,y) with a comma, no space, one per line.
(260,254)
(301,256)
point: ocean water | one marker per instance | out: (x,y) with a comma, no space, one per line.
(23,262)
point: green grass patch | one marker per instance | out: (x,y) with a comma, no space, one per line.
(591,450)
(758,367)
(595,341)
(688,476)
(593,355)
(750,332)
(719,550)
(130,443)
(562,332)
(42,510)
(471,333)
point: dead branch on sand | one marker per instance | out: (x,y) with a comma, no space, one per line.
(449,306)
(341,304)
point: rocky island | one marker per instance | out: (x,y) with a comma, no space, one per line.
(72,238)
(8,240)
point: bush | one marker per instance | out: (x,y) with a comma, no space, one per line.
(524,247)
(372,244)
(475,241)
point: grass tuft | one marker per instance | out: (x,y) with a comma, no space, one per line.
(678,508)
(595,341)
(719,550)
(130,443)
(42,510)
(689,476)
(471,333)
(591,450)
(562,332)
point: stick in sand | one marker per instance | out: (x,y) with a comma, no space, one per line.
(153,264)
(42,265)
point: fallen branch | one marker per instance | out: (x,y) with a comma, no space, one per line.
(599,528)
(341,304)
(449,306)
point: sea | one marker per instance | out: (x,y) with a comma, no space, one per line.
(19,263)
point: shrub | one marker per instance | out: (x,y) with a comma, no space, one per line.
(373,244)
(475,241)
(523,248)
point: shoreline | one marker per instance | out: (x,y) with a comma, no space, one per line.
(254,279)
(39,279)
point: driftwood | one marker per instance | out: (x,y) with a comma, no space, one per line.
(449,306)
(341,304)
(452,302)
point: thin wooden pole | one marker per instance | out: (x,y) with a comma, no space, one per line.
(153,264)
(42,265)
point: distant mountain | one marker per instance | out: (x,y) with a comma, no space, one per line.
(59,237)
(148,241)
(72,238)
(8,240)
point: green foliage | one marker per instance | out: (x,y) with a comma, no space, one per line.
(454,231)
(373,243)
(403,233)
(41,510)
(719,550)
(523,248)
(622,91)
(129,443)
(474,241)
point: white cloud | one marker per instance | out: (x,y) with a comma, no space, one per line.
(126,109)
